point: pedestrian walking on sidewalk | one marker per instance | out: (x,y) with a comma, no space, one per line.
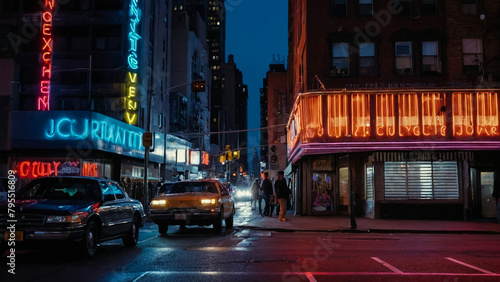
(255,196)
(282,193)
(267,190)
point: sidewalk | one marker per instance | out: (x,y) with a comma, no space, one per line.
(343,224)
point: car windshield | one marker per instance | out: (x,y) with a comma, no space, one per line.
(61,189)
(193,187)
(165,188)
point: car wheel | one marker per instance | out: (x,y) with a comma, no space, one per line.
(229,222)
(133,234)
(162,228)
(218,222)
(90,239)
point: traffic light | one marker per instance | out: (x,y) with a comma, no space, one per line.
(229,154)
(222,159)
(236,155)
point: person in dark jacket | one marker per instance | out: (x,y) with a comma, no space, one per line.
(282,193)
(267,189)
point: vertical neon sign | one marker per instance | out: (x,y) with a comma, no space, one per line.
(133,63)
(46,55)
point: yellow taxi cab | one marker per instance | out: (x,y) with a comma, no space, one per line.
(193,202)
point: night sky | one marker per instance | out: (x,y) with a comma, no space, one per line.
(255,31)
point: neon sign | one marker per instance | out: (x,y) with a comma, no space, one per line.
(89,169)
(433,114)
(338,116)
(35,169)
(133,63)
(79,129)
(385,117)
(360,110)
(46,55)
(463,123)
(205,158)
(312,109)
(408,115)
(419,114)
(487,114)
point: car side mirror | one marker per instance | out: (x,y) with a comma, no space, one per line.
(109,197)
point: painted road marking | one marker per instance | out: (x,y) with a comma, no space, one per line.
(393,268)
(470,266)
(310,276)
(145,276)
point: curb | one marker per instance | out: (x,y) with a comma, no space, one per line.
(399,231)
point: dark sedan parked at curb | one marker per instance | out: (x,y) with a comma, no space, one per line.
(81,210)
(193,202)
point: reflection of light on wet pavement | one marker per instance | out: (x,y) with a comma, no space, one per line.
(252,233)
(220,249)
(244,213)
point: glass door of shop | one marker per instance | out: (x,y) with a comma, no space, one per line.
(488,205)
(482,183)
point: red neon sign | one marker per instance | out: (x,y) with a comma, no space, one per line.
(27,169)
(46,54)
(89,169)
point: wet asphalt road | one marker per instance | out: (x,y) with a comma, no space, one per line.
(197,254)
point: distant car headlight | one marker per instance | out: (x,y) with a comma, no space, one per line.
(208,201)
(159,202)
(73,218)
(243,193)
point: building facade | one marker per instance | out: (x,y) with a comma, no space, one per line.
(82,81)
(275,103)
(234,118)
(395,109)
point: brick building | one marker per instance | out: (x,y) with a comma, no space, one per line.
(396,107)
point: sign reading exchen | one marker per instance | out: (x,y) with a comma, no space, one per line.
(132,91)
(43,101)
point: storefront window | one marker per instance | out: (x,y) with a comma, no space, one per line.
(322,193)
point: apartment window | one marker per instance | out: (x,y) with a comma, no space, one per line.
(430,57)
(338,8)
(470,7)
(365,7)
(472,50)
(428,7)
(404,58)
(340,65)
(367,59)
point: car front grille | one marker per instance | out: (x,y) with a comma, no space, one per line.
(23,220)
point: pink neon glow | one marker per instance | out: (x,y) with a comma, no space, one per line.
(43,101)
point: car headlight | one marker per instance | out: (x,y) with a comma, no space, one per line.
(73,218)
(208,201)
(159,202)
